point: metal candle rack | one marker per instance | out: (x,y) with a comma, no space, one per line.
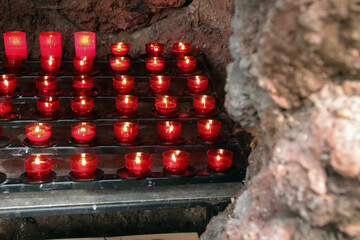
(111,154)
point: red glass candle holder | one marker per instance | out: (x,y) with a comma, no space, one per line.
(83,166)
(175,161)
(123,83)
(155,64)
(13,65)
(181,49)
(119,63)
(165,105)
(5,108)
(38,133)
(186,64)
(50,44)
(208,130)
(154,49)
(48,107)
(7,85)
(85,44)
(169,131)
(197,84)
(82,106)
(203,104)
(46,85)
(83,85)
(38,167)
(50,65)
(126,132)
(120,48)
(15,45)
(159,84)
(83,132)
(219,160)
(83,65)
(138,163)
(126,104)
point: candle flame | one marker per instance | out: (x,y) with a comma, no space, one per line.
(83,160)
(83,102)
(197,80)
(165,100)
(173,157)
(46,104)
(208,125)
(124,80)
(51,61)
(82,129)
(218,158)
(37,129)
(126,100)
(221,151)
(6,83)
(156,48)
(177,152)
(126,126)
(117,61)
(37,160)
(46,83)
(160,79)
(119,45)
(155,60)
(203,100)
(137,159)
(187,60)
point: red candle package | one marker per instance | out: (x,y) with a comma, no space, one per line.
(197,84)
(219,160)
(186,64)
(83,166)
(175,161)
(154,49)
(155,64)
(120,48)
(82,106)
(83,65)
(5,107)
(15,45)
(85,45)
(169,131)
(123,84)
(208,130)
(46,85)
(48,107)
(38,167)
(203,104)
(119,63)
(50,65)
(83,85)
(50,44)
(138,163)
(38,133)
(126,104)
(165,105)
(126,132)
(83,132)
(7,85)
(159,84)
(181,49)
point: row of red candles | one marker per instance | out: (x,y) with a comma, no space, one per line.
(83,165)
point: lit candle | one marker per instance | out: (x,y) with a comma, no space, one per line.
(5,107)
(186,64)
(120,48)
(197,84)
(83,85)
(15,45)
(38,133)
(159,84)
(219,160)
(126,104)
(138,163)
(126,132)
(7,84)
(123,83)
(38,167)
(154,49)
(50,65)
(85,44)
(118,63)
(83,132)
(155,64)
(48,106)
(203,104)
(83,166)
(82,106)
(83,65)
(50,44)
(169,131)
(208,130)
(46,85)
(165,105)
(181,48)
(175,161)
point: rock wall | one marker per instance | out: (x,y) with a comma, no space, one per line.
(296,77)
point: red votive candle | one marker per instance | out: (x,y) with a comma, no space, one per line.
(159,84)
(46,85)
(5,107)
(83,166)
(48,106)
(15,45)
(154,49)
(126,131)
(38,167)
(169,131)
(50,44)
(120,48)
(119,63)
(83,132)
(219,160)
(38,133)
(85,44)
(181,48)
(7,84)
(83,85)
(155,64)
(50,64)
(186,64)
(165,105)
(203,104)
(82,105)
(175,160)
(208,129)
(197,84)
(83,65)
(138,163)
(13,65)
(123,83)
(126,104)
